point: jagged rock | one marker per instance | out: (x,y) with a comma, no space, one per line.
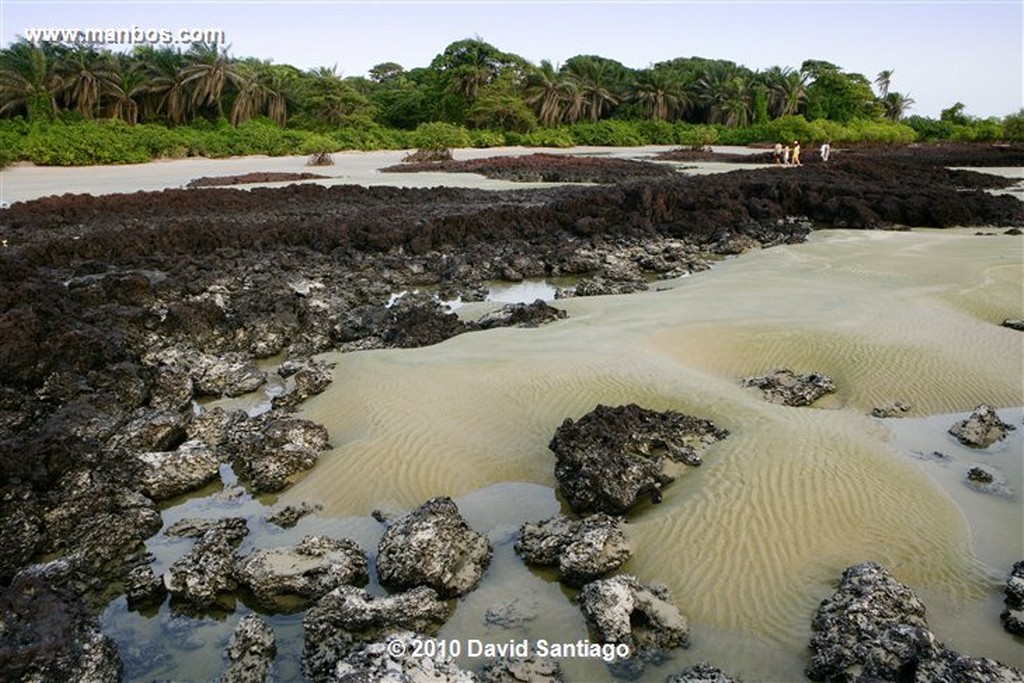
(313,568)
(984,480)
(376,662)
(873,628)
(289,516)
(1013,616)
(144,588)
(519,315)
(894,409)
(701,673)
(982,429)
(48,634)
(433,546)
(603,286)
(161,430)
(198,579)
(195,527)
(251,651)
(611,456)
(583,550)
(529,670)
(785,387)
(1014,323)
(268,451)
(348,618)
(172,473)
(21,533)
(622,610)
(979,475)
(311,377)
(172,389)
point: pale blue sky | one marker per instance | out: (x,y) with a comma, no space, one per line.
(941,52)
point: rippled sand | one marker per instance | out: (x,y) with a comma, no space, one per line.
(750,542)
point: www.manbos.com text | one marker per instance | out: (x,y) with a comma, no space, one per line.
(126,35)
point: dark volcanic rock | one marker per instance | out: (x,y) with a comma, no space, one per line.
(289,515)
(199,579)
(144,588)
(622,610)
(519,315)
(982,429)
(547,168)
(378,662)
(47,634)
(583,550)
(787,388)
(894,409)
(1013,616)
(611,456)
(433,546)
(247,178)
(172,473)
(701,673)
(311,569)
(310,378)
(251,652)
(268,450)
(529,670)
(348,618)
(1014,324)
(873,628)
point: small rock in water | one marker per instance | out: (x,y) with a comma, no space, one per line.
(1013,616)
(894,409)
(785,387)
(289,516)
(583,550)
(518,670)
(980,475)
(982,429)
(701,673)
(251,651)
(1014,324)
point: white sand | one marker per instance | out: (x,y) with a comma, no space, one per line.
(26,181)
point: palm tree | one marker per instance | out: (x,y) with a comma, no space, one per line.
(28,81)
(86,76)
(127,84)
(882,81)
(261,91)
(166,90)
(209,73)
(597,94)
(662,96)
(786,90)
(896,104)
(547,93)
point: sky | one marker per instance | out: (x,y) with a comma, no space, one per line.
(940,52)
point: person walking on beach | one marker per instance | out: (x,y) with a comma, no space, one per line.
(785,155)
(826,149)
(796,153)
(778,153)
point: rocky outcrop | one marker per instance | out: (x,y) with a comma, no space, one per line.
(309,377)
(547,168)
(982,429)
(289,515)
(893,409)
(1014,323)
(433,546)
(311,569)
(48,634)
(143,588)
(348,618)
(583,550)
(611,456)
(199,579)
(381,663)
(268,451)
(701,673)
(250,652)
(1013,616)
(172,473)
(785,387)
(522,670)
(622,610)
(873,628)
(519,315)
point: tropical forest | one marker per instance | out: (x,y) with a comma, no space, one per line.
(83,104)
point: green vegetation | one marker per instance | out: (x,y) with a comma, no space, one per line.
(63,105)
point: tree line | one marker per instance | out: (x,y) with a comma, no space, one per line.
(472,86)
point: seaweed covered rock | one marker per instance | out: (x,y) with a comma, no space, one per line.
(873,628)
(982,429)
(1013,616)
(250,651)
(622,610)
(348,618)
(309,570)
(785,387)
(433,546)
(611,456)
(583,550)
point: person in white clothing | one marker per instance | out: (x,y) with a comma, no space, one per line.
(826,149)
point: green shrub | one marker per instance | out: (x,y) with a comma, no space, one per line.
(695,135)
(1013,127)
(542,137)
(608,133)
(655,132)
(440,135)
(785,129)
(486,138)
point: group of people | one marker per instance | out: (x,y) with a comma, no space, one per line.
(790,156)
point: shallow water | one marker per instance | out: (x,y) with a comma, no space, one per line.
(749,543)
